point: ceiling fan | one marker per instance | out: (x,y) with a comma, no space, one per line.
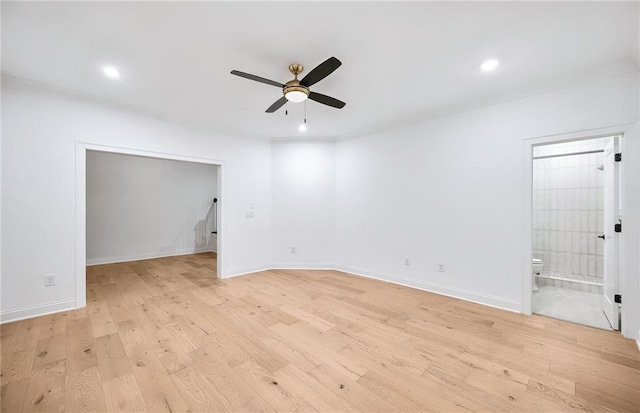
(298,90)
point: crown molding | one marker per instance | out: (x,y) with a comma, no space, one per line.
(612,70)
(85,98)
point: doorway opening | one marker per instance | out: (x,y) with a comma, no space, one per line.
(575,215)
(140,229)
(141,207)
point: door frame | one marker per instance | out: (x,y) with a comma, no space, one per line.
(611,243)
(629,244)
(81,206)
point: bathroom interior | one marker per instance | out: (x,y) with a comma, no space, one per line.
(568,213)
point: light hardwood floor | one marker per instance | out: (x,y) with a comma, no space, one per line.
(162,335)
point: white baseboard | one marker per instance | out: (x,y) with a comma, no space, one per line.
(454,292)
(290,266)
(17,314)
(298,266)
(148,256)
(478,298)
(247,271)
(474,297)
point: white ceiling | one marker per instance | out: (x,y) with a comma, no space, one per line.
(401,61)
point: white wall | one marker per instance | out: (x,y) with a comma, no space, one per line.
(139,207)
(303,204)
(451,190)
(40,132)
(448,190)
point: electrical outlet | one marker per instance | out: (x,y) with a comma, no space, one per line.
(49,280)
(293,250)
(441,267)
(407,261)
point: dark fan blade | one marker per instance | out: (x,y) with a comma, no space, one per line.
(321,71)
(256,78)
(326,100)
(277,105)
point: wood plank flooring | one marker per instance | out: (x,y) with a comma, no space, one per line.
(164,335)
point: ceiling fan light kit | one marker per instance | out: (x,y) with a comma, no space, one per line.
(298,90)
(293,90)
(296,94)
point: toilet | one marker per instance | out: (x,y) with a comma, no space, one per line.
(536,266)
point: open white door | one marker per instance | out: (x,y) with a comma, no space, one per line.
(611,239)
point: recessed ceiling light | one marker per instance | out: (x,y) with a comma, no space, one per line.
(111,72)
(302,127)
(489,65)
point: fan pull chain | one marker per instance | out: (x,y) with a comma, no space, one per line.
(286,108)
(305,111)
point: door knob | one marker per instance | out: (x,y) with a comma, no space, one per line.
(601,236)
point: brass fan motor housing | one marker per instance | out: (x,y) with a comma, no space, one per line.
(294,85)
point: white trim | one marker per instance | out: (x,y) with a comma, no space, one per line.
(17,314)
(148,154)
(81,224)
(248,271)
(239,273)
(453,292)
(81,171)
(85,98)
(608,71)
(629,244)
(299,266)
(527,228)
(149,256)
